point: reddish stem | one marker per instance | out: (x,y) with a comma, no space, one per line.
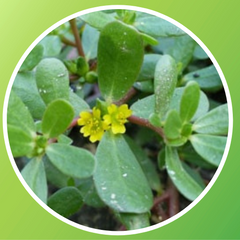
(173,199)
(146,123)
(68,42)
(132,91)
(77,37)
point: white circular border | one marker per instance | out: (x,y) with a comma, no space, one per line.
(130,232)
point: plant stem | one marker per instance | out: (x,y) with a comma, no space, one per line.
(77,37)
(68,42)
(146,123)
(127,97)
(173,199)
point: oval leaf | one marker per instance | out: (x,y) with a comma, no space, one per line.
(181,179)
(90,38)
(52,80)
(214,122)
(209,147)
(18,115)
(21,143)
(120,56)
(173,125)
(72,161)
(57,118)
(25,87)
(155,26)
(207,78)
(98,19)
(33,58)
(54,176)
(34,175)
(147,166)
(189,101)
(52,45)
(66,201)
(118,177)
(165,79)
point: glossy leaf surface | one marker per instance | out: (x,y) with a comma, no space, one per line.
(118,177)
(34,175)
(209,147)
(119,47)
(66,201)
(181,179)
(52,80)
(57,118)
(72,161)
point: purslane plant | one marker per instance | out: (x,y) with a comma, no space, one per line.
(117,110)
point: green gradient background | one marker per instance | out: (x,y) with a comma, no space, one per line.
(217,215)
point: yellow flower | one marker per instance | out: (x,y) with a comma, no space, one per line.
(93,125)
(117,117)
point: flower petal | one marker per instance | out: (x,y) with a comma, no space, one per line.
(107,119)
(112,109)
(118,128)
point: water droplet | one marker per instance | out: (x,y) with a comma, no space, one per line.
(125,174)
(113,195)
(61,74)
(125,33)
(104,188)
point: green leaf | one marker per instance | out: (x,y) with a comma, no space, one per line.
(64,139)
(187,153)
(21,142)
(72,161)
(120,56)
(57,118)
(149,40)
(134,221)
(97,19)
(173,125)
(52,45)
(66,201)
(33,58)
(90,38)
(146,165)
(155,26)
(34,175)
(182,50)
(165,79)
(189,101)
(146,86)
(199,53)
(54,176)
(78,104)
(209,147)
(203,105)
(143,108)
(207,78)
(25,87)
(194,174)
(89,193)
(118,177)
(52,80)
(186,185)
(19,116)
(148,67)
(214,122)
